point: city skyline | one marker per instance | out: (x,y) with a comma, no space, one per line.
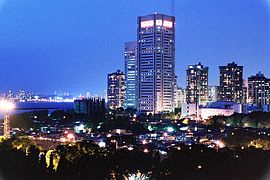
(30,43)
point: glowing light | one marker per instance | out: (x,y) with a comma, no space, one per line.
(163,152)
(185,121)
(184,128)
(109,135)
(102,144)
(170,129)
(130,148)
(168,24)
(145,24)
(144,141)
(70,136)
(118,131)
(81,127)
(159,22)
(220,144)
(6,105)
(145,150)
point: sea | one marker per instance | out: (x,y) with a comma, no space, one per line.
(21,107)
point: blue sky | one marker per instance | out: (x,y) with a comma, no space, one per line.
(72,45)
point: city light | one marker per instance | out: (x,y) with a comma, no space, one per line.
(145,150)
(145,24)
(168,24)
(144,142)
(130,148)
(170,129)
(102,144)
(219,144)
(70,136)
(6,105)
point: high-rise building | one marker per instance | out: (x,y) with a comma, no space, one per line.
(231,83)
(212,93)
(179,97)
(116,90)
(259,90)
(131,75)
(245,91)
(156,59)
(197,84)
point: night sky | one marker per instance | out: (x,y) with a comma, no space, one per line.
(71,45)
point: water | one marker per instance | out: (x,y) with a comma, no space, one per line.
(52,105)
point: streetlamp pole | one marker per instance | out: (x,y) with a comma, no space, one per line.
(6,107)
(6,126)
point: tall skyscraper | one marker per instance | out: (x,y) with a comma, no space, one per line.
(131,64)
(231,83)
(116,89)
(156,59)
(259,90)
(197,84)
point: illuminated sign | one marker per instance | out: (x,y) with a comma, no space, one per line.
(145,24)
(150,23)
(168,24)
(159,22)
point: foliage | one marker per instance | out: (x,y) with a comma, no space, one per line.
(254,119)
(243,138)
(22,121)
(87,161)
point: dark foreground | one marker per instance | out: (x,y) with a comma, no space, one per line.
(21,160)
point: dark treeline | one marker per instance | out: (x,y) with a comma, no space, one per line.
(88,161)
(254,120)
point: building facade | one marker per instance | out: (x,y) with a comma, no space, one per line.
(156,61)
(212,93)
(90,106)
(131,75)
(197,84)
(179,97)
(116,90)
(231,83)
(259,90)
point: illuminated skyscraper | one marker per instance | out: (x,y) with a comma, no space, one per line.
(212,93)
(156,59)
(116,90)
(231,83)
(197,84)
(131,75)
(259,90)
(179,97)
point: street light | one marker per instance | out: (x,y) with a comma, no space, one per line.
(6,107)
